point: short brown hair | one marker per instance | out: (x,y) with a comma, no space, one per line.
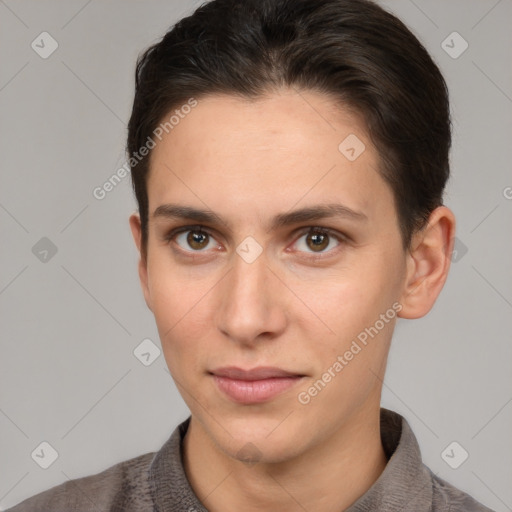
(352,50)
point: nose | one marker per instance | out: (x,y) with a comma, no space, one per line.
(250,305)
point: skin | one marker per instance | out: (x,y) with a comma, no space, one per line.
(297,307)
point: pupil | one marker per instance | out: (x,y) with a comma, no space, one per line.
(196,239)
(319,240)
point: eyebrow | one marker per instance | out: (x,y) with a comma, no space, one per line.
(311,213)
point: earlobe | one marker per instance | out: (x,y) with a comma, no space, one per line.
(428,263)
(136,228)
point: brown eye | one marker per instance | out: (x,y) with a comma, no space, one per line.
(193,239)
(317,241)
(196,239)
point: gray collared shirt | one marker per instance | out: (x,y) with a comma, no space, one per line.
(157,482)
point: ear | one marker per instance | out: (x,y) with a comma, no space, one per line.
(135,226)
(428,263)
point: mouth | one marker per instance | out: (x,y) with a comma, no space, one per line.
(256,385)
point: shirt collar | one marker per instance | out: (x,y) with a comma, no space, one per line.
(405,483)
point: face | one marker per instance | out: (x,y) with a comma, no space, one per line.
(296,272)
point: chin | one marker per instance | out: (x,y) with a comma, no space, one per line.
(259,440)
(262,451)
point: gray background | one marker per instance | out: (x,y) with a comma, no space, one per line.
(70,323)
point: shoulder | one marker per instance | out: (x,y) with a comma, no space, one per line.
(446,497)
(122,487)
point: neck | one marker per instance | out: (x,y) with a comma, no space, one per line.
(328,477)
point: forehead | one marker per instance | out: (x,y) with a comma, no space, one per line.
(285,119)
(275,151)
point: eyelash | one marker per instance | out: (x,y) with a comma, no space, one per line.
(341,238)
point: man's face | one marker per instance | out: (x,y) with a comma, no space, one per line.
(299,304)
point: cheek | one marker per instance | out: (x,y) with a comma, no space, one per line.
(174,290)
(347,321)
(178,304)
(349,361)
(351,298)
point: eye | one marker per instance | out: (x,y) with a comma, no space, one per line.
(317,240)
(193,239)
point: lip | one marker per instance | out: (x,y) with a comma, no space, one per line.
(255,385)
